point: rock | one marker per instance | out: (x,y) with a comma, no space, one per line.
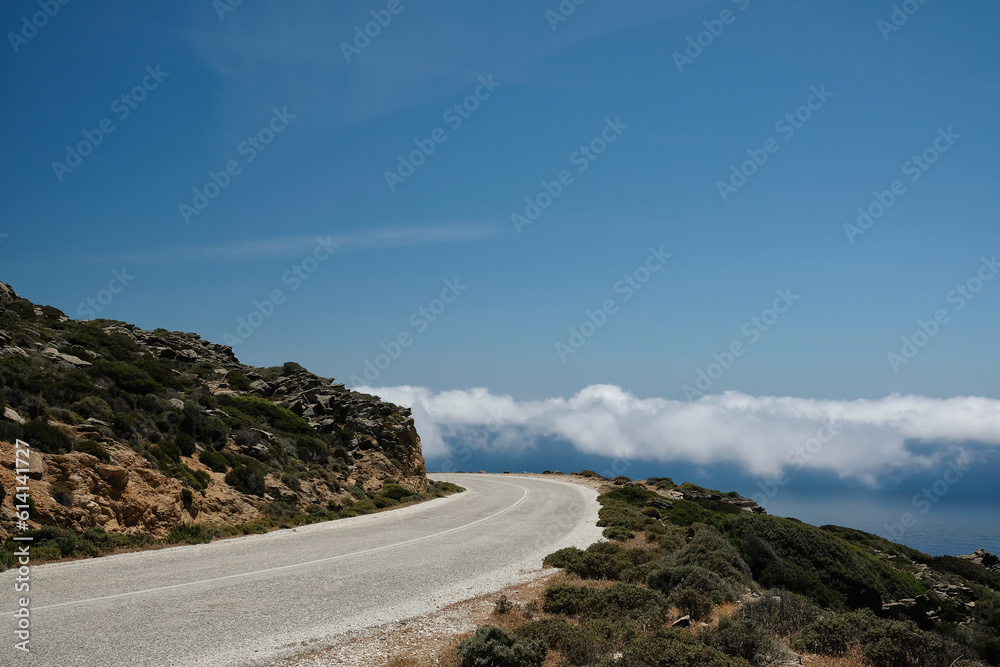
(11,414)
(56,355)
(682,622)
(176,403)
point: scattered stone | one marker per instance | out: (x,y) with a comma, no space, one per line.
(11,414)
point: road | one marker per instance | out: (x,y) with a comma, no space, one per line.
(250,600)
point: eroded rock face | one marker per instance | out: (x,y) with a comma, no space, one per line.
(128,493)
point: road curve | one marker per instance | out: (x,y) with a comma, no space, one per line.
(254,599)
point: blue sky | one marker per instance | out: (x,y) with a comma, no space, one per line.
(278,71)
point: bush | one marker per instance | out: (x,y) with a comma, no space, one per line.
(495,647)
(185,443)
(46,438)
(618,533)
(565,599)
(503,606)
(247,479)
(621,600)
(189,533)
(740,638)
(563,558)
(93,406)
(394,491)
(582,644)
(779,612)
(670,648)
(694,577)
(93,448)
(691,602)
(61,495)
(214,460)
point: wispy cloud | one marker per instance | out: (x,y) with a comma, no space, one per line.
(280,247)
(872,438)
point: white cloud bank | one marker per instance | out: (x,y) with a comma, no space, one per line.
(863,439)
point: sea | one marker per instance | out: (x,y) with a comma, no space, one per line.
(951,527)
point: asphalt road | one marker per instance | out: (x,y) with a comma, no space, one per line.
(251,600)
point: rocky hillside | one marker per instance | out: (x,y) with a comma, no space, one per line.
(139,431)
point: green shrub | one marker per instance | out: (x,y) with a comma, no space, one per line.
(670,648)
(691,602)
(618,533)
(394,491)
(196,479)
(695,577)
(46,438)
(93,448)
(582,644)
(779,612)
(61,495)
(366,506)
(495,647)
(247,479)
(185,443)
(563,558)
(783,553)
(189,533)
(621,600)
(238,381)
(565,599)
(741,639)
(214,460)
(93,406)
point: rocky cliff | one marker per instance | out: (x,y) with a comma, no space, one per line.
(137,431)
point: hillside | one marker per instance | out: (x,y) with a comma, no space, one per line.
(692,577)
(141,435)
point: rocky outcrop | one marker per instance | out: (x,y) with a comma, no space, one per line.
(362,441)
(985,558)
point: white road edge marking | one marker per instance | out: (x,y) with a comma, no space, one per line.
(524,496)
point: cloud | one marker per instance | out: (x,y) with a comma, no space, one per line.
(302,244)
(861,439)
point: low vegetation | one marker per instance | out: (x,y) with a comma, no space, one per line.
(693,577)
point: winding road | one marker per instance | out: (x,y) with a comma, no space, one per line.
(251,600)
